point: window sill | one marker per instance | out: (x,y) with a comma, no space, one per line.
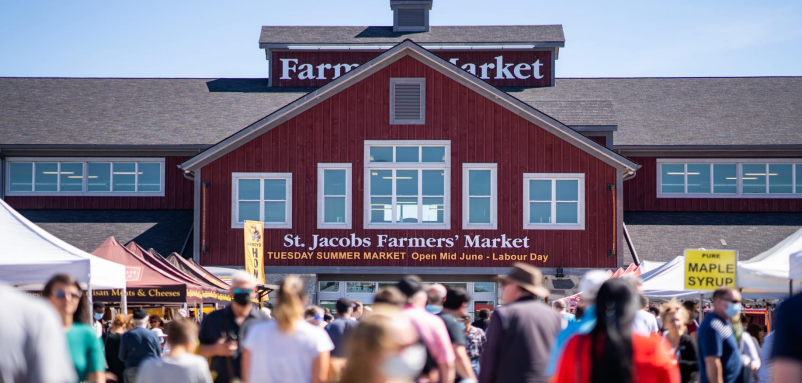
(341,226)
(240,225)
(84,194)
(376,226)
(732,196)
(554,226)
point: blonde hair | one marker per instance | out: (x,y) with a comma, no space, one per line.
(118,321)
(369,343)
(673,307)
(290,306)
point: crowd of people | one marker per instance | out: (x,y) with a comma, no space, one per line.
(413,332)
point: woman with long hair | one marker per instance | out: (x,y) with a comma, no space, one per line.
(384,348)
(611,352)
(288,349)
(65,294)
(674,318)
(112,346)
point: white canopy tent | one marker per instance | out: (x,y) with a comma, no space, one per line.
(29,256)
(770,272)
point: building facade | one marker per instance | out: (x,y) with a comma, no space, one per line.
(376,152)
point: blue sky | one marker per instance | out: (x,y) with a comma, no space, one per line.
(214,38)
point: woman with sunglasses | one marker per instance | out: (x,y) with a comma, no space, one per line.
(64,293)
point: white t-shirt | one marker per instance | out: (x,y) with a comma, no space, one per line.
(645,323)
(187,368)
(278,357)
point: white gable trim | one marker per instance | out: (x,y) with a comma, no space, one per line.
(408,48)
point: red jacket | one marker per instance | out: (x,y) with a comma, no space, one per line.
(652,361)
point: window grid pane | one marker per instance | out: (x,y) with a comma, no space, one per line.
(736,178)
(85,177)
(798,176)
(334,196)
(554,201)
(672,178)
(781,178)
(754,178)
(699,178)
(725,178)
(258,200)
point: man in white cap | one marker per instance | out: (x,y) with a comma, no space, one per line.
(589,285)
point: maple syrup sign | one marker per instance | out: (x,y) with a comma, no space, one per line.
(526,68)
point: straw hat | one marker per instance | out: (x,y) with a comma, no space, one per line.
(527,277)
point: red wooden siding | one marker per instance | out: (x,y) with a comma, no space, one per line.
(178,196)
(480,131)
(640,194)
(360,57)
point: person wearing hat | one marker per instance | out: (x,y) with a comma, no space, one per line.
(522,332)
(432,330)
(138,345)
(589,286)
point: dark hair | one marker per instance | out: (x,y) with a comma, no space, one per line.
(722,292)
(81,314)
(455,298)
(98,305)
(357,304)
(156,318)
(342,305)
(389,295)
(580,312)
(616,305)
(754,330)
(327,317)
(689,305)
(181,331)
(654,310)
(746,319)
(484,314)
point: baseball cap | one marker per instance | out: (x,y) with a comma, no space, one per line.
(590,284)
(140,313)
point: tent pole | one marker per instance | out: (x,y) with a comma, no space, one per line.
(790,288)
(124,302)
(701,307)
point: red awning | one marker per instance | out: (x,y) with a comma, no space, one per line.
(146,284)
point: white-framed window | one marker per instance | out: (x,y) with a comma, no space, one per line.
(119,177)
(334,196)
(407,184)
(554,201)
(729,178)
(479,196)
(265,197)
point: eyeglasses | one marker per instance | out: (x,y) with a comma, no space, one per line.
(62,294)
(242,291)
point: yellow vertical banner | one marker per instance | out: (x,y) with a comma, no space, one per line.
(254,249)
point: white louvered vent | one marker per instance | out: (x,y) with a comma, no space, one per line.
(411,18)
(407,100)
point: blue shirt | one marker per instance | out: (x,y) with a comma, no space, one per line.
(789,335)
(138,345)
(716,338)
(580,327)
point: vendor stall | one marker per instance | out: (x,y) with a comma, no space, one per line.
(146,284)
(30,256)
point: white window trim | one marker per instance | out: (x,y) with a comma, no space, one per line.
(580,225)
(85,161)
(408,80)
(493,225)
(446,225)
(738,173)
(262,176)
(321,211)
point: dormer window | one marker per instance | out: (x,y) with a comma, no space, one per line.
(410,15)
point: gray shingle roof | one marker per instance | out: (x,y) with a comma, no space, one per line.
(648,111)
(132,111)
(163,230)
(661,237)
(436,34)
(576,113)
(691,111)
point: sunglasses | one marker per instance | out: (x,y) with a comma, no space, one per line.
(61,294)
(242,291)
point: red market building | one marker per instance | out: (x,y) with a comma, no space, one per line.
(375,152)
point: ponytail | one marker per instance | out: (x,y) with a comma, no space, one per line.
(290,308)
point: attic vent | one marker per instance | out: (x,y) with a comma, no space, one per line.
(412,18)
(407,101)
